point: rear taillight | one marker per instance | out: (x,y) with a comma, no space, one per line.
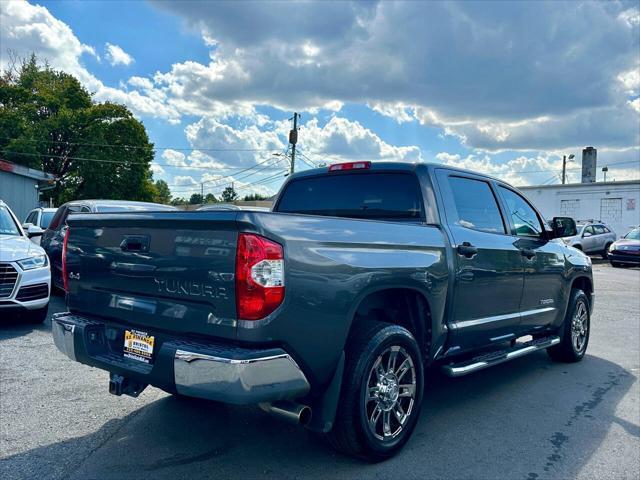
(339,167)
(65,277)
(259,276)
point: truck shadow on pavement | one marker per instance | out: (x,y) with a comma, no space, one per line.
(528,419)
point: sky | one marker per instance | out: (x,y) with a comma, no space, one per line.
(504,88)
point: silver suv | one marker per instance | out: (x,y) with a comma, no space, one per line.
(593,237)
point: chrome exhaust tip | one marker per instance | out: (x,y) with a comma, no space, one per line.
(290,411)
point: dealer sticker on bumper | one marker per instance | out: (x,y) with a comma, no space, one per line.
(138,345)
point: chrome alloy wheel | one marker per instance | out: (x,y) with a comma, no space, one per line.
(580,327)
(391,393)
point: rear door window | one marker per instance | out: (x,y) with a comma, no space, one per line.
(375,196)
(45,220)
(599,229)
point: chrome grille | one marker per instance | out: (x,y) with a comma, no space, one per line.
(8,279)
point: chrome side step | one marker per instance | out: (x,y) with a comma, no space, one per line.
(501,356)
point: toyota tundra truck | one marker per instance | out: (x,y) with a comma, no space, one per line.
(327,309)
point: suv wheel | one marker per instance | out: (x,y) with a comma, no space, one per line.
(575,330)
(381,392)
(605,252)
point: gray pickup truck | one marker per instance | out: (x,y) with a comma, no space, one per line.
(327,309)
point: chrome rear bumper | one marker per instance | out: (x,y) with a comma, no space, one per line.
(228,374)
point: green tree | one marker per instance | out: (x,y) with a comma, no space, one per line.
(49,121)
(229,195)
(210,198)
(163,193)
(255,197)
(196,199)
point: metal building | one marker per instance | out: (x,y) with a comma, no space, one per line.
(20,187)
(615,203)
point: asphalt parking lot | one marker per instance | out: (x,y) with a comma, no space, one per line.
(527,419)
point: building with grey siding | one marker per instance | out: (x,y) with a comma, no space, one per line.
(20,187)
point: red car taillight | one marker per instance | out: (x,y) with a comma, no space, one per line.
(65,277)
(259,276)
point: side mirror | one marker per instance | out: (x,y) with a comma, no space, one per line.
(563,227)
(34,231)
(586,234)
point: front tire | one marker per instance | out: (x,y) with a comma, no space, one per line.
(575,330)
(381,394)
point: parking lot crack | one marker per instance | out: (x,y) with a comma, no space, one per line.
(102,443)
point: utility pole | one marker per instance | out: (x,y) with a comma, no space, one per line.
(202,191)
(564,167)
(293,139)
(605,169)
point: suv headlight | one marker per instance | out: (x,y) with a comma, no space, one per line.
(33,262)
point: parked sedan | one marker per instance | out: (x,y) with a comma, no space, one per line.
(53,237)
(626,251)
(592,238)
(25,280)
(37,221)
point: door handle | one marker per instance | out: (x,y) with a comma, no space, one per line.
(135,243)
(467,250)
(527,252)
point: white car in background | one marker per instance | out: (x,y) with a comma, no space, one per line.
(41,218)
(25,276)
(592,238)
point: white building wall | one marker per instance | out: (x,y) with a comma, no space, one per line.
(614,203)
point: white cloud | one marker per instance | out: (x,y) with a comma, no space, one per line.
(497,67)
(115,55)
(341,139)
(174,158)
(157,170)
(30,28)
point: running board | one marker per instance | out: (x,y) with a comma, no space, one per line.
(501,356)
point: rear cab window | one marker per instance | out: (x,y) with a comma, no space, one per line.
(387,196)
(474,205)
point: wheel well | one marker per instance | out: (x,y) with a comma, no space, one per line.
(578,246)
(401,306)
(584,284)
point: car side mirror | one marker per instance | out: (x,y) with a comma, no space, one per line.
(563,227)
(586,234)
(34,231)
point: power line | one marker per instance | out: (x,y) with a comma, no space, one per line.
(238,172)
(111,145)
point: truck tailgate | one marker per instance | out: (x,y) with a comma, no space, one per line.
(165,271)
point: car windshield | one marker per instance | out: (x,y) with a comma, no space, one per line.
(46,219)
(7,225)
(633,234)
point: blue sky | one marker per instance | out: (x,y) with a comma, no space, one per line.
(505,88)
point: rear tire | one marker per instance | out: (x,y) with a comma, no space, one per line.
(575,330)
(381,394)
(36,316)
(605,252)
